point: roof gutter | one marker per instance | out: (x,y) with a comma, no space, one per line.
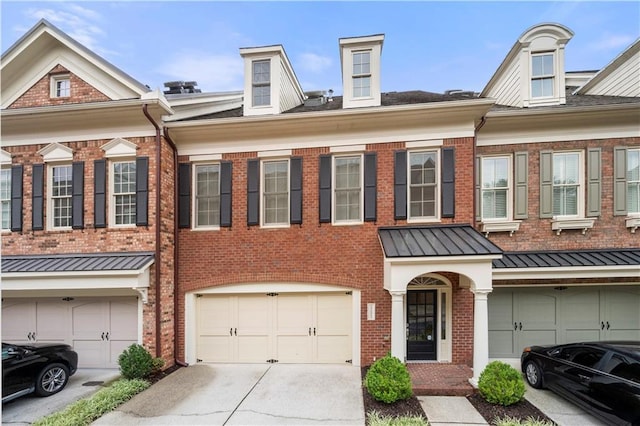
(176,242)
(157,225)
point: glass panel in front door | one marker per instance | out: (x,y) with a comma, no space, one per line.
(421,324)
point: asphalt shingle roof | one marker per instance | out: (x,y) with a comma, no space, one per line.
(76,262)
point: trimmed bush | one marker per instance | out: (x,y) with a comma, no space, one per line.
(136,362)
(376,419)
(530,421)
(388,380)
(502,384)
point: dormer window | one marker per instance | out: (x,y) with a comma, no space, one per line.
(542,75)
(261,83)
(362,74)
(60,86)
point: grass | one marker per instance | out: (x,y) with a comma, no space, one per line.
(509,421)
(375,419)
(85,411)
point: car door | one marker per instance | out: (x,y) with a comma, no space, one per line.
(617,389)
(572,372)
(15,376)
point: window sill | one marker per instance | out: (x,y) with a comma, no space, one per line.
(205,228)
(506,226)
(562,224)
(633,223)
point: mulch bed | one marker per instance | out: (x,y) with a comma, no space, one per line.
(411,407)
(520,410)
(159,375)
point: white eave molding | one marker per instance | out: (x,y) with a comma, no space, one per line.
(567,272)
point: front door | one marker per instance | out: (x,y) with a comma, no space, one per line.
(421,325)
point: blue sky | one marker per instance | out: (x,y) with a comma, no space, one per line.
(432,46)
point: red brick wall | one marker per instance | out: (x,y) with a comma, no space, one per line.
(40,93)
(103,240)
(609,231)
(349,256)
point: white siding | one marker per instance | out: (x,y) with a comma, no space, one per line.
(507,91)
(289,97)
(622,81)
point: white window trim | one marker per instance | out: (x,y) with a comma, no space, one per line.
(553,76)
(581,187)
(261,201)
(112,194)
(194,185)
(438,201)
(360,220)
(509,217)
(5,166)
(49,208)
(631,215)
(355,76)
(270,84)
(54,85)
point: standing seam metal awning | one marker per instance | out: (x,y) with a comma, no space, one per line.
(437,240)
(76,262)
(569,258)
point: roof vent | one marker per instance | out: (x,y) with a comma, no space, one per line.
(460,92)
(177,87)
(315,98)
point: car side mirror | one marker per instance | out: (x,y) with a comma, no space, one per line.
(15,352)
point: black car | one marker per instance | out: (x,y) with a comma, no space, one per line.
(601,377)
(41,367)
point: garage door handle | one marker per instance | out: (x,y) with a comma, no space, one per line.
(231,331)
(235,331)
(314,331)
(601,325)
(515,326)
(102,336)
(309,331)
(107,336)
(520,324)
(607,325)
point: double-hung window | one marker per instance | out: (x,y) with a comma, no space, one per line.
(61,185)
(348,194)
(362,74)
(567,191)
(423,185)
(633,181)
(275,192)
(5,198)
(207,197)
(124,192)
(261,82)
(60,86)
(496,192)
(542,75)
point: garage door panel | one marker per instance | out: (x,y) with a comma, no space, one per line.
(536,337)
(123,318)
(215,349)
(501,343)
(334,315)
(52,321)
(333,349)
(574,336)
(537,311)
(116,347)
(91,353)
(18,321)
(294,349)
(622,311)
(294,315)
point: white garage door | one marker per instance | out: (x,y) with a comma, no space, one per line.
(98,329)
(285,327)
(525,317)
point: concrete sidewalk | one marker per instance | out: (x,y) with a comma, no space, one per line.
(248,394)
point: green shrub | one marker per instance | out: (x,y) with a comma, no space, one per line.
(157,365)
(135,362)
(388,380)
(502,384)
(530,421)
(376,419)
(85,411)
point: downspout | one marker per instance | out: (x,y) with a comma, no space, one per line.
(480,125)
(158,226)
(176,243)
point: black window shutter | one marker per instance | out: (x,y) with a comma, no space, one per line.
(295,190)
(253,192)
(184,195)
(16,197)
(448,182)
(325,189)
(38,198)
(370,183)
(226,179)
(77,191)
(100,193)
(142,191)
(400,185)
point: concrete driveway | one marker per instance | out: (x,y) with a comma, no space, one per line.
(248,394)
(27,409)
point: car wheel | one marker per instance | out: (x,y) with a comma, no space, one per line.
(533,374)
(52,379)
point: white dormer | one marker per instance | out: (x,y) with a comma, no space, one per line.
(533,72)
(270,84)
(360,57)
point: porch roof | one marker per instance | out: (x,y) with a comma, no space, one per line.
(569,258)
(437,240)
(76,262)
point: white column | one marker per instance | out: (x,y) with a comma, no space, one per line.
(480,333)
(398,331)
